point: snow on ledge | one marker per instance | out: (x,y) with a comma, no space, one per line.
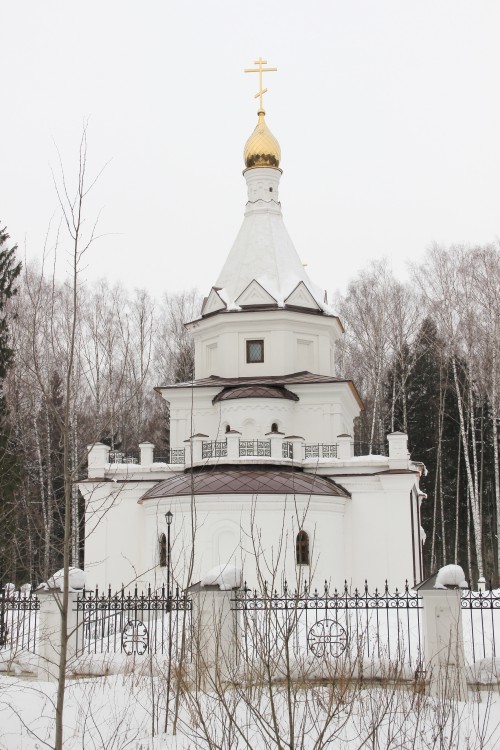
(226,577)
(451,575)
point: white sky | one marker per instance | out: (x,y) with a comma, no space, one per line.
(387,112)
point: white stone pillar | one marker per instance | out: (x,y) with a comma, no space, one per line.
(398,450)
(233,444)
(443,643)
(49,632)
(214,635)
(98,457)
(297,442)
(276,440)
(196,444)
(344,447)
(147,453)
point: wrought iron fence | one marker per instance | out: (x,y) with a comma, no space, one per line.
(365,448)
(320,450)
(287,450)
(255,447)
(173,456)
(214,449)
(133,622)
(359,625)
(478,623)
(123,457)
(18,620)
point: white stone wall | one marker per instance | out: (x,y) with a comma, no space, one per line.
(378,524)
(293,342)
(367,536)
(322,412)
(255,533)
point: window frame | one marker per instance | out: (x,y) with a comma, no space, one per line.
(248,343)
(302,548)
(162,550)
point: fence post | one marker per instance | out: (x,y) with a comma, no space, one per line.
(344,447)
(49,642)
(297,442)
(398,450)
(443,643)
(233,444)
(196,445)
(98,457)
(214,635)
(147,453)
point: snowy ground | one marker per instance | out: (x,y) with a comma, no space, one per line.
(123,711)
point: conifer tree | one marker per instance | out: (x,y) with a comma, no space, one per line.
(10,269)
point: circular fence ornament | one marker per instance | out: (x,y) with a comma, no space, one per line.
(135,638)
(327,637)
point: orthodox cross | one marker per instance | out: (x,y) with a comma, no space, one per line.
(260,62)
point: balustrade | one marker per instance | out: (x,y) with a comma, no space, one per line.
(214,449)
(320,450)
(255,448)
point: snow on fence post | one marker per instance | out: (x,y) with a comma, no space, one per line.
(49,633)
(443,635)
(214,626)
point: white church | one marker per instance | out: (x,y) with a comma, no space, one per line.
(263,473)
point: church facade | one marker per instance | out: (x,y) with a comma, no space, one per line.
(263,473)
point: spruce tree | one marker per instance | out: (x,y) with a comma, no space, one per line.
(10,520)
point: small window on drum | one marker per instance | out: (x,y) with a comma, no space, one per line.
(228,428)
(255,351)
(302,548)
(274,427)
(162,544)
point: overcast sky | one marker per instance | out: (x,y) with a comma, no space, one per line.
(387,113)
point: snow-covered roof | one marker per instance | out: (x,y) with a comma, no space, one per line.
(263,266)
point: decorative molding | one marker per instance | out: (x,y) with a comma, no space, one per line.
(213,302)
(302,297)
(255,294)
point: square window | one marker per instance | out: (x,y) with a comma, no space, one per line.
(255,351)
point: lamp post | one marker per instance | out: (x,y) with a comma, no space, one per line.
(168,518)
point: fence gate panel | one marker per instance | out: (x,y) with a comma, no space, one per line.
(358,626)
(133,622)
(18,621)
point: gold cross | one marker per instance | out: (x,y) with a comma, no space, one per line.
(260,62)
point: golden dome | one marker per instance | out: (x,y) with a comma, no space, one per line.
(262,149)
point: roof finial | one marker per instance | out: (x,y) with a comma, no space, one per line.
(260,62)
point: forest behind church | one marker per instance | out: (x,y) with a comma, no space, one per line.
(423,355)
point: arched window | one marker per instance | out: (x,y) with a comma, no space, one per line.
(274,427)
(302,548)
(162,544)
(228,428)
